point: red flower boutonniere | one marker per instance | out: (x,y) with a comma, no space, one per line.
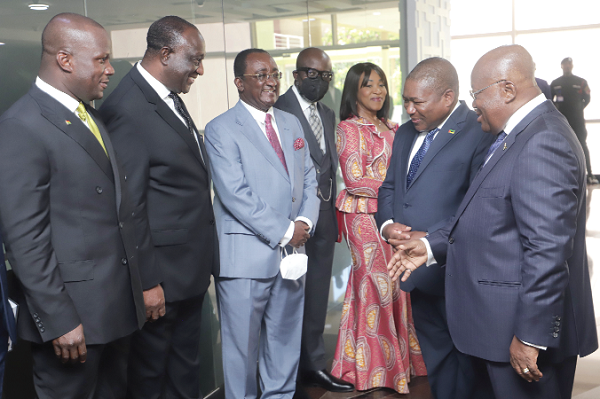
(299,143)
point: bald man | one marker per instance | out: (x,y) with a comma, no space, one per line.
(66,220)
(517,280)
(417,198)
(312,77)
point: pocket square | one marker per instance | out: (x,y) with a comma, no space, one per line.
(299,143)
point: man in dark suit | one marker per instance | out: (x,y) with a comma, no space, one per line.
(311,81)
(8,329)
(517,281)
(66,219)
(418,198)
(167,168)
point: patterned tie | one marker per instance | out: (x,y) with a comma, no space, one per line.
(416,161)
(178,102)
(274,141)
(494,146)
(85,117)
(317,128)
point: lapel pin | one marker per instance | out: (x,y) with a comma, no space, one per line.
(451,131)
(504,148)
(68,122)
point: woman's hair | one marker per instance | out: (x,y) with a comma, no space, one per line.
(351,87)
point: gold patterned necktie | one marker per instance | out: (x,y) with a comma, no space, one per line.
(85,117)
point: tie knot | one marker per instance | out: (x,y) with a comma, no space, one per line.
(433,132)
(81,112)
(268,119)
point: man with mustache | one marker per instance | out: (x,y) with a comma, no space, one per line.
(167,168)
(265,201)
(312,77)
(518,290)
(66,220)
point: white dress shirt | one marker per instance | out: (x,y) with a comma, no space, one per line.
(69,102)
(260,116)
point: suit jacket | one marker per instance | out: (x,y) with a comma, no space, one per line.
(170,188)
(516,256)
(8,319)
(325,164)
(437,189)
(67,224)
(255,198)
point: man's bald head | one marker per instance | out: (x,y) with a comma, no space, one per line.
(66,31)
(435,73)
(310,55)
(503,80)
(75,56)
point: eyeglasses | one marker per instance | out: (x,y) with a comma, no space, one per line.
(314,73)
(263,77)
(474,94)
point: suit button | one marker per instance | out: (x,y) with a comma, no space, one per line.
(555,335)
(35,315)
(556,329)
(42,329)
(557,323)
(451,240)
(124,261)
(99,189)
(132,213)
(318,170)
(405,206)
(125,177)
(120,225)
(212,222)
(293,199)
(557,318)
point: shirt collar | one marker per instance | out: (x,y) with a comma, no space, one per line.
(158,87)
(449,115)
(303,103)
(522,112)
(69,102)
(257,114)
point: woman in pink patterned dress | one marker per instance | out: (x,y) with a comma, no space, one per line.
(377,344)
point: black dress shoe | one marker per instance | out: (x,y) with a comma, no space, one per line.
(323,379)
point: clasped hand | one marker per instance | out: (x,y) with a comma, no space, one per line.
(301,234)
(406,259)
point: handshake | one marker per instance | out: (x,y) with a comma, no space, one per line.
(410,251)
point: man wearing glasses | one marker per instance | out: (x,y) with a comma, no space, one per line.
(311,82)
(265,201)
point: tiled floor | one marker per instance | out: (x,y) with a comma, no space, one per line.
(587,377)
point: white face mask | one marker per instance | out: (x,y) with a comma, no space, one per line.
(293,266)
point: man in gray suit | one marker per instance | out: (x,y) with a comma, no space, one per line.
(518,290)
(66,220)
(311,79)
(265,200)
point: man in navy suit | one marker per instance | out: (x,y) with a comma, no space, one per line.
(517,281)
(418,198)
(8,329)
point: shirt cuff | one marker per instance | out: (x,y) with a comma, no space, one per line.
(535,346)
(430,258)
(305,220)
(390,221)
(288,235)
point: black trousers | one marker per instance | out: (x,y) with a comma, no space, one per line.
(320,250)
(102,376)
(165,354)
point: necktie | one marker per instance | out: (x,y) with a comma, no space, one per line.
(85,117)
(416,161)
(494,146)
(317,128)
(178,102)
(274,140)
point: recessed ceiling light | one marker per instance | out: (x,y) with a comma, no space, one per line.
(2,44)
(38,7)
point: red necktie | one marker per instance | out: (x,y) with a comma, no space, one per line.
(274,141)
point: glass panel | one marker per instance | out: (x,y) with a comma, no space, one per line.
(533,14)
(369,25)
(474,17)
(549,48)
